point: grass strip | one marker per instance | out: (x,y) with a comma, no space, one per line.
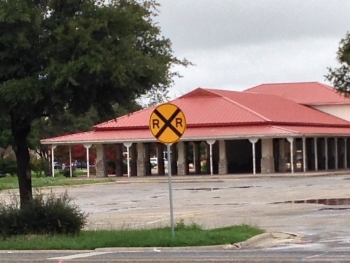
(10,182)
(159,237)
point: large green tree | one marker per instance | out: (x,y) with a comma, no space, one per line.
(74,54)
(340,77)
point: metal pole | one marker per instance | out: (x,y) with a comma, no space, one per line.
(170,191)
(292,155)
(53,160)
(70,161)
(254,157)
(345,154)
(326,152)
(128,159)
(316,157)
(87,161)
(304,154)
(336,153)
(211,159)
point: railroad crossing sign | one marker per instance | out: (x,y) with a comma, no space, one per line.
(167,123)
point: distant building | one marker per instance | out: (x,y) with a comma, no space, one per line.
(270,128)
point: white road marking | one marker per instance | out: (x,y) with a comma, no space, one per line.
(83,255)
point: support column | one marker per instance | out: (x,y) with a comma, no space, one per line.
(182,154)
(128,158)
(336,153)
(174,156)
(282,156)
(253,141)
(211,142)
(133,160)
(304,155)
(316,156)
(101,162)
(208,171)
(87,146)
(147,151)
(326,152)
(160,159)
(222,157)
(141,164)
(196,157)
(119,164)
(187,162)
(345,153)
(267,160)
(291,142)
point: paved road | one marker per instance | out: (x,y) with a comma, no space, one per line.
(183,256)
(224,201)
(316,207)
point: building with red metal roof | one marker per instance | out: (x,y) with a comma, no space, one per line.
(268,128)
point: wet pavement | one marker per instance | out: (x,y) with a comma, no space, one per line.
(317,207)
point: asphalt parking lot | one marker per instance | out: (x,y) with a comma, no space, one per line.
(317,207)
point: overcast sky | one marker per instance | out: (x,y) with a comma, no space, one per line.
(237,44)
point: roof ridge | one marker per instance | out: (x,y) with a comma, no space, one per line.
(285,83)
(240,105)
(332,88)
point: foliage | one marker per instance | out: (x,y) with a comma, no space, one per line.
(340,77)
(42,215)
(158,237)
(5,131)
(8,166)
(39,166)
(204,167)
(71,55)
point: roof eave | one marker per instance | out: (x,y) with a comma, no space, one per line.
(202,138)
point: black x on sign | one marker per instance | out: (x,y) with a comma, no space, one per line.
(167,123)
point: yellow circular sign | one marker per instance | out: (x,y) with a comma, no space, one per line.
(167,123)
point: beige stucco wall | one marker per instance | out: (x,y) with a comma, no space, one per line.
(340,111)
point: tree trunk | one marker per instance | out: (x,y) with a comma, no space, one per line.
(23,170)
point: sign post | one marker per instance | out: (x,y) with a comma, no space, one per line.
(167,124)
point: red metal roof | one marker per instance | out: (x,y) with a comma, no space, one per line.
(309,93)
(208,107)
(277,109)
(221,114)
(197,134)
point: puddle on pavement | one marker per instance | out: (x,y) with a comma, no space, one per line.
(218,188)
(201,189)
(323,201)
(244,187)
(335,208)
(156,196)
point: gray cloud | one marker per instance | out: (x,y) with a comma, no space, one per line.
(237,44)
(208,23)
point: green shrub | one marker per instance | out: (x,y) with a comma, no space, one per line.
(66,171)
(43,215)
(39,165)
(8,166)
(204,167)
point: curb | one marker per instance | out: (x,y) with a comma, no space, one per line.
(250,243)
(159,249)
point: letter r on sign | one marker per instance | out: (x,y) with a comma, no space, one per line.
(178,122)
(155,123)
